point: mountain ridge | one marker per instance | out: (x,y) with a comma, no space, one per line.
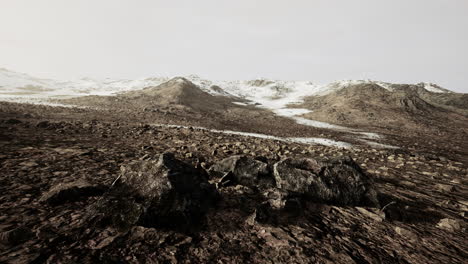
(352,103)
(84,86)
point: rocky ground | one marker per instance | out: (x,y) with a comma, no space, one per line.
(71,193)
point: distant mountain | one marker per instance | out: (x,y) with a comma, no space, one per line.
(383,104)
(18,86)
(180,92)
(352,102)
(270,93)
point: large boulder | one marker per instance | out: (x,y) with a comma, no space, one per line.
(156,193)
(243,170)
(340,181)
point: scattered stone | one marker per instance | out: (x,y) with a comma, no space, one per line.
(375,215)
(251,219)
(29,164)
(406,233)
(408,183)
(445,187)
(449,224)
(71,151)
(276,198)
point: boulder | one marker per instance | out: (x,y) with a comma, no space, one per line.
(243,170)
(164,192)
(340,181)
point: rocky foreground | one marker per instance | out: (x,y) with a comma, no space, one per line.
(76,189)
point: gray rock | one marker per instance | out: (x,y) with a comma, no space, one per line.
(407,234)
(445,187)
(243,170)
(449,224)
(156,193)
(340,181)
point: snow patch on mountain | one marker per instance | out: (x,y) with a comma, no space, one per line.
(301,140)
(434,88)
(21,87)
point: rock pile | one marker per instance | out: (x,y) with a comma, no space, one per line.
(339,182)
(169,193)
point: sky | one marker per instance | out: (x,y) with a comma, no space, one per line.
(402,41)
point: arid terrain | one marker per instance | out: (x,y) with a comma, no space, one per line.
(152,176)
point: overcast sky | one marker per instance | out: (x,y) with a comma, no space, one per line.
(404,41)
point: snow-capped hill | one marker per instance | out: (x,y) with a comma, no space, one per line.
(10,79)
(347,83)
(269,93)
(265,92)
(19,86)
(431,87)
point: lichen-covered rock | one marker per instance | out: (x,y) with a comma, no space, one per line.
(340,181)
(243,170)
(156,193)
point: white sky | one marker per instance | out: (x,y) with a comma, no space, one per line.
(319,40)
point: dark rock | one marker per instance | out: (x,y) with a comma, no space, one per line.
(146,147)
(156,193)
(340,182)
(12,121)
(70,192)
(244,171)
(43,124)
(16,236)
(278,206)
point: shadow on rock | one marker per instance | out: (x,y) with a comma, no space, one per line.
(165,193)
(410,212)
(286,187)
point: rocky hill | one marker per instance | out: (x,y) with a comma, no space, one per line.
(179,92)
(391,105)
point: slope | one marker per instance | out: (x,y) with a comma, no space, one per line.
(395,105)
